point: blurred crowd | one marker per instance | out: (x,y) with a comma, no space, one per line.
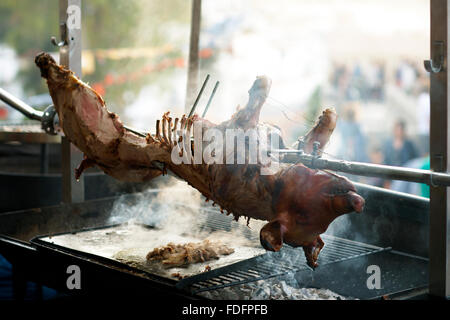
(355,83)
(367,81)
(395,144)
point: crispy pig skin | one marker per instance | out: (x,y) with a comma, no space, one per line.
(298,202)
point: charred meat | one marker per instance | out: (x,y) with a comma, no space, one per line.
(182,255)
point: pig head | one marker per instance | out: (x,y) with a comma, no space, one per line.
(307,201)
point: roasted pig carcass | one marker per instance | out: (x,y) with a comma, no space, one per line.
(182,255)
(299,202)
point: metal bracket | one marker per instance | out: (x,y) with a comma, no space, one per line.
(315,154)
(64,40)
(439,162)
(49,121)
(301,144)
(316,145)
(436,64)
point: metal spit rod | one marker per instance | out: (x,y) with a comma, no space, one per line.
(370,170)
(34,114)
(210,99)
(356,168)
(198,96)
(21,106)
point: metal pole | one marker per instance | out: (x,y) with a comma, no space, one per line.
(19,105)
(369,169)
(44,158)
(193,65)
(439,250)
(70,56)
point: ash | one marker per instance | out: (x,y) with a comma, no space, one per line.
(271,289)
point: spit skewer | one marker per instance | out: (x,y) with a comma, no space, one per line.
(357,168)
(21,106)
(210,99)
(368,169)
(198,96)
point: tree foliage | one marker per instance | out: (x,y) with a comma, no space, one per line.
(27,25)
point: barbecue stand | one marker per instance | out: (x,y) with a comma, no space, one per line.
(342,263)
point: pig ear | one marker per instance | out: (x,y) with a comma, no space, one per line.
(271,236)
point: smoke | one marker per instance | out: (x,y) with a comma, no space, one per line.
(159,208)
(179,215)
(180,210)
(342,225)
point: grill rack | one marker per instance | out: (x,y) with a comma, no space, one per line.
(270,264)
(261,267)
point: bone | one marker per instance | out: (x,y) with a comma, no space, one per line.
(169,132)
(189,126)
(149,138)
(158,130)
(164,129)
(174,130)
(182,124)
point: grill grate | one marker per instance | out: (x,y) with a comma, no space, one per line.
(269,264)
(273,264)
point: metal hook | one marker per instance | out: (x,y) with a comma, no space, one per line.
(63,41)
(431,65)
(432,184)
(57,44)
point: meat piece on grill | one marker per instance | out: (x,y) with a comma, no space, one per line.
(299,202)
(182,255)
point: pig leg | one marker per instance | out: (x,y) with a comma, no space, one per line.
(312,252)
(85,164)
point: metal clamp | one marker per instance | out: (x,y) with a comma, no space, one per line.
(315,154)
(436,64)
(316,145)
(49,121)
(301,144)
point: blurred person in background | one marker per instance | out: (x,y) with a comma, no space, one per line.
(406,75)
(357,86)
(341,81)
(423,116)
(354,146)
(423,136)
(376,157)
(418,189)
(377,91)
(399,149)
